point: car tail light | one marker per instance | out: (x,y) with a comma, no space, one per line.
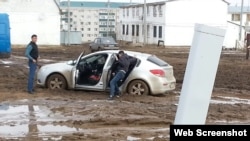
(158,72)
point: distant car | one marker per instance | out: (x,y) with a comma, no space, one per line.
(103,43)
(147,75)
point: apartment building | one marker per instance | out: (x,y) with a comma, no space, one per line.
(91,19)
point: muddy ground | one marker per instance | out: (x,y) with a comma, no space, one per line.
(83,115)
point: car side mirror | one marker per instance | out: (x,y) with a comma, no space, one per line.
(71,62)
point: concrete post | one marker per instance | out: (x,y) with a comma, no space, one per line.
(200,75)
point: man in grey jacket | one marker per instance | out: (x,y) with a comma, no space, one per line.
(122,68)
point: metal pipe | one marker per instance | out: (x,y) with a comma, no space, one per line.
(145,23)
(68,43)
(242,1)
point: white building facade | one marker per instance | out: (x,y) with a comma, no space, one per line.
(238,27)
(170,21)
(29,17)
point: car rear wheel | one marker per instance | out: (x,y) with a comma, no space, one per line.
(138,87)
(56,81)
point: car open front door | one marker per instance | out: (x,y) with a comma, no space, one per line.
(75,71)
(90,71)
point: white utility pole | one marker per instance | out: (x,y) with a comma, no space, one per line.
(68,43)
(145,23)
(108,19)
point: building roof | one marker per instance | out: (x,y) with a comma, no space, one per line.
(156,3)
(88,4)
(237,9)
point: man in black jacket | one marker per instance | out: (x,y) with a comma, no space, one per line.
(121,69)
(32,54)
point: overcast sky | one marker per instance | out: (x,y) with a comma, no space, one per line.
(232,2)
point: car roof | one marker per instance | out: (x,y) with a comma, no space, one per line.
(130,53)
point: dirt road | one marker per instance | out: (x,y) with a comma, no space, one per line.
(82,115)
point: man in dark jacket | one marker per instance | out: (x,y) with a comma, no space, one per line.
(32,54)
(121,69)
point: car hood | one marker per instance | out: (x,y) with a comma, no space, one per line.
(60,66)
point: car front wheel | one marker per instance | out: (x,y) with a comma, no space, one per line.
(91,50)
(138,87)
(56,81)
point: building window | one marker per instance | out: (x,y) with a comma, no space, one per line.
(133,30)
(154,11)
(88,29)
(148,30)
(82,29)
(248,17)
(82,35)
(127,11)
(235,17)
(133,12)
(154,32)
(160,31)
(160,10)
(127,30)
(123,29)
(123,12)
(137,11)
(137,30)
(148,10)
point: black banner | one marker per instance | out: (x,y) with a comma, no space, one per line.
(199,132)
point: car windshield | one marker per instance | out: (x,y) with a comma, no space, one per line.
(108,40)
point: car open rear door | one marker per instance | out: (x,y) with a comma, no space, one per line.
(108,71)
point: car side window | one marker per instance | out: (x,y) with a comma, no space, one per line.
(97,40)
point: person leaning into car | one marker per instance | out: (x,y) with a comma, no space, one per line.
(32,54)
(121,69)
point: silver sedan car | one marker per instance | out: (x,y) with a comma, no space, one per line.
(103,43)
(147,75)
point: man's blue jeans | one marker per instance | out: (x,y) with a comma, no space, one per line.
(114,89)
(32,71)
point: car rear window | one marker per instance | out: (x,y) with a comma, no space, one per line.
(108,40)
(154,59)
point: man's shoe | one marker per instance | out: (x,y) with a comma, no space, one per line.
(118,94)
(30,92)
(111,98)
